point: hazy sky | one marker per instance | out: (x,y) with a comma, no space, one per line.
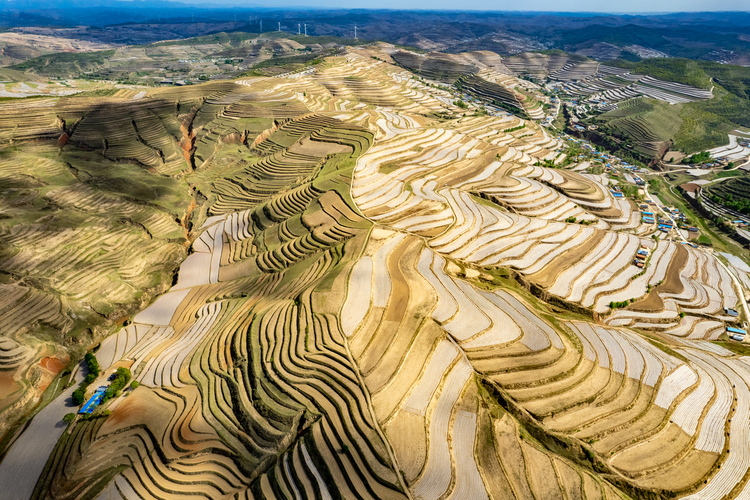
(628,6)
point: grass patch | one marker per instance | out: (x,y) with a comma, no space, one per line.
(736,347)
(25,98)
(705,124)
(66,64)
(728,173)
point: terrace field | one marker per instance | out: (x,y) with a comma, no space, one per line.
(703,123)
(651,125)
(335,284)
(732,193)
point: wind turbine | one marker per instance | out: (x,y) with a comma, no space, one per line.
(279,26)
(261,25)
(355,31)
(305,29)
(299,32)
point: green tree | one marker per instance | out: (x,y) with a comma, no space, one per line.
(78,396)
(92,364)
(122,377)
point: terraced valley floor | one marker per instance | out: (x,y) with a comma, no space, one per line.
(336,284)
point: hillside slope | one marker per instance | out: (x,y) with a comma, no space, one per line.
(382,298)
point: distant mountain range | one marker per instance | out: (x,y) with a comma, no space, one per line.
(717,36)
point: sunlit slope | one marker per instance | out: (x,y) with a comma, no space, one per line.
(258,360)
(428,181)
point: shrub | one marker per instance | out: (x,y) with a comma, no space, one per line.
(134,384)
(618,305)
(122,377)
(69,417)
(701,157)
(92,364)
(78,395)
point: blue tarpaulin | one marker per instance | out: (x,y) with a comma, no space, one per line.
(94,401)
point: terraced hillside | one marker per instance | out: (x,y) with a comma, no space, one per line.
(648,124)
(733,195)
(90,229)
(589,80)
(649,115)
(435,65)
(174,60)
(558,65)
(492,92)
(480,74)
(382,303)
